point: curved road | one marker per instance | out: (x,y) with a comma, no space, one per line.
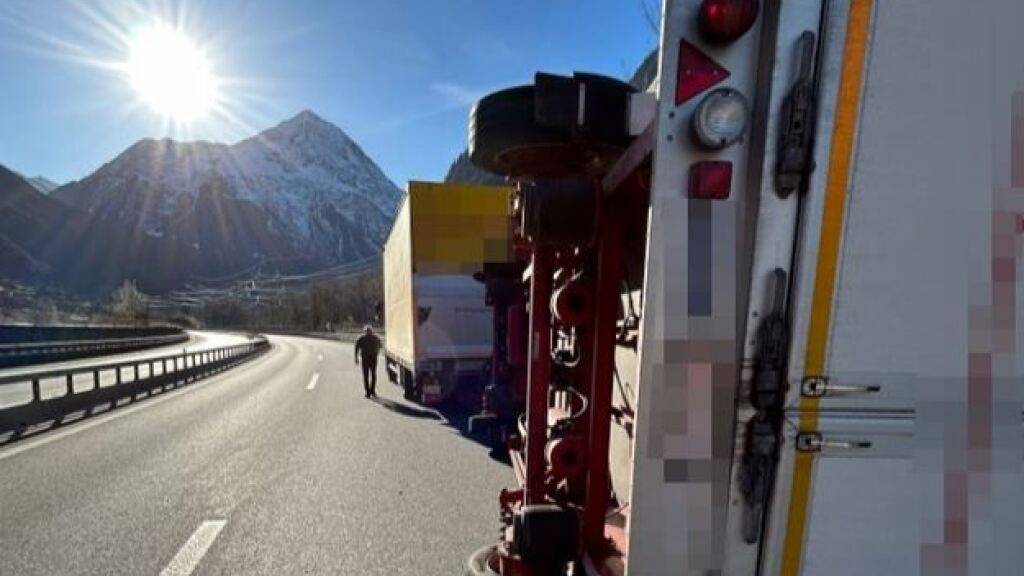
(278,466)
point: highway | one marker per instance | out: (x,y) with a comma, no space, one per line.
(277,466)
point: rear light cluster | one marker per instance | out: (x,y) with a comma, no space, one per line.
(724,21)
(721,117)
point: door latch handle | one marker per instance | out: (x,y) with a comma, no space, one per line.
(819,386)
(815,442)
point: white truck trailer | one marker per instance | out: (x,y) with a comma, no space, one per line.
(438,327)
(827,374)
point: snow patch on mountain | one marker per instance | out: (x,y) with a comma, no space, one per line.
(303,183)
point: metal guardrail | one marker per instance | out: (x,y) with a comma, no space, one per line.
(37,352)
(130,378)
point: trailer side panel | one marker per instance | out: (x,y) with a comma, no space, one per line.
(399,337)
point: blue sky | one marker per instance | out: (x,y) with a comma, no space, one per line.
(397,75)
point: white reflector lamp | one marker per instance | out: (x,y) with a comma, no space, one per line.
(721,118)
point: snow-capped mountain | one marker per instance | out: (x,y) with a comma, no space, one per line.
(43,184)
(298,197)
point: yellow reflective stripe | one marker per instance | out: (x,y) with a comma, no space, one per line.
(840,159)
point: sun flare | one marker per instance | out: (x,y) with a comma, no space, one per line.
(171,74)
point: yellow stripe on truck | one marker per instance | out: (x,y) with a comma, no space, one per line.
(840,160)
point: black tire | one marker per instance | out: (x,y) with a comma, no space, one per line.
(505,138)
(408,384)
(479,563)
(392,370)
(487,430)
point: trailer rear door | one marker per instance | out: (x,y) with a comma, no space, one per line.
(903,445)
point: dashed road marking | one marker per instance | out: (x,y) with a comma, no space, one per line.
(190,553)
(313,381)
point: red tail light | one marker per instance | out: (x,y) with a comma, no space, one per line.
(711,180)
(723,21)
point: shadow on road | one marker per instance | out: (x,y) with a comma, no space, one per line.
(458,417)
(455,415)
(406,409)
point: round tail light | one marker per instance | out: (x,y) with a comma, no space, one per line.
(723,21)
(721,118)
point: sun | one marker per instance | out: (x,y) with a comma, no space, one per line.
(171,74)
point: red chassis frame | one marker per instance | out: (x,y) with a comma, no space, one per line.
(622,203)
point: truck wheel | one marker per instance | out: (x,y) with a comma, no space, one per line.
(505,138)
(408,384)
(483,562)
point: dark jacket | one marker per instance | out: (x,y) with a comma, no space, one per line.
(368,347)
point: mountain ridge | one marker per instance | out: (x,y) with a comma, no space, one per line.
(297,197)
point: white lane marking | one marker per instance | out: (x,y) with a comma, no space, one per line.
(319,357)
(76,427)
(313,381)
(188,557)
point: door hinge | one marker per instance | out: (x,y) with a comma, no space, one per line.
(760,456)
(768,395)
(796,135)
(768,387)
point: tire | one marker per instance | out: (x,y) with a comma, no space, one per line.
(408,384)
(479,563)
(487,430)
(505,138)
(392,370)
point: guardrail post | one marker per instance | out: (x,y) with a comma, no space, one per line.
(117,372)
(71,387)
(135,370)
(95,379)
(36,396)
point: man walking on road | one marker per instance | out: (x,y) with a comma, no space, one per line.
(367,349)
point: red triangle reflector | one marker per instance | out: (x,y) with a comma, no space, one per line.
(697,72)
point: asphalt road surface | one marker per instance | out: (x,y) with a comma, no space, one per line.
(277,466)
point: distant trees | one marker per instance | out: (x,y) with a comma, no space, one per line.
(224,312)
(345,302)
(324,306)
(45,313)
(128,304)
(287,311)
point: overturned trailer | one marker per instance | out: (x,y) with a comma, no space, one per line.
(772,302)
